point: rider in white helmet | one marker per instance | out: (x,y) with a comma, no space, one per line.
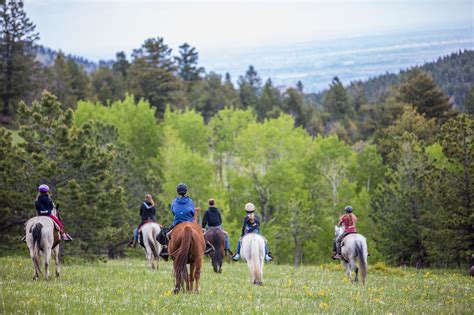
(251,225)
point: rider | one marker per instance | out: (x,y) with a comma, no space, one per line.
(251,225)
(44,206)
(147,214)
(348,220)
(213,219)
(183,210)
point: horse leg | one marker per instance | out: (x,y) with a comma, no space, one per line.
(192,269)
(348,270)
(356,279)
(36,264)
(56,259)
(47,256)
(197,275)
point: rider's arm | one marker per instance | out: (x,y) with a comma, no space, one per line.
(204,220)
(243,227)
(340,220)
(220,218)
(354,218)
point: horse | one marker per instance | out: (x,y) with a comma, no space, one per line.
(42,238)
(253,252)
(353,246)
(216,238)
(152,248)
(186,246)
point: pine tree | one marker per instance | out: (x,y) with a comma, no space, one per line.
(469,101)
(121,65)
(293,105)
(107,86)
(152,76)
(270,102)
(17,51)
(187,63)
(68,81)
(250,85)
(421,91)
(336,102)
(77,165)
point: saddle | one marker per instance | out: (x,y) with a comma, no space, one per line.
(163,237)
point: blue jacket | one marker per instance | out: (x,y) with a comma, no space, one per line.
(183,210)
(44,205)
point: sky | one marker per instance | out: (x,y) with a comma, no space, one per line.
(97,29)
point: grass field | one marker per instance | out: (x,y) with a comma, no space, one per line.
(128,287)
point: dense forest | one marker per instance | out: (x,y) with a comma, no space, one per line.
(395,148)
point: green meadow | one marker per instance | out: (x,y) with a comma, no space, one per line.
(128,287)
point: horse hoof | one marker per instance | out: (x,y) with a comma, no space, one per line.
(175,291)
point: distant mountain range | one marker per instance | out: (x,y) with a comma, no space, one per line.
(376,62)
(351,59)
(453,73)
(46,56)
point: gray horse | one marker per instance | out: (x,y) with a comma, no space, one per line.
(152,247)
(353,246)
(42,238)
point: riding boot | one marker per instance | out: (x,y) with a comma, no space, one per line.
(338,253)
(66,237)
(164,253)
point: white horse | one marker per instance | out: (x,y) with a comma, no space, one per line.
(42,237)
(253,252)
(152,247)
(353,246)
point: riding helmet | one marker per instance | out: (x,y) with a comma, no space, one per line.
(182,189)
(43,188)
(249,207)
(348,209)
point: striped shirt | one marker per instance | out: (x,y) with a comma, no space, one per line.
(348,220)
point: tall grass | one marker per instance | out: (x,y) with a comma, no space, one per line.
(128,287)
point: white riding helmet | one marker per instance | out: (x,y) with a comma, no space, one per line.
(249,207)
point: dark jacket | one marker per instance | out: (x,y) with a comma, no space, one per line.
(249,227)
(44,205)
(212,217)
(183,210)
(147,211)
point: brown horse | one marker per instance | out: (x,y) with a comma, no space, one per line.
(216,237)
(186,246)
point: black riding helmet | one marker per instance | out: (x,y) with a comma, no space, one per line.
(182,189)
(348,209)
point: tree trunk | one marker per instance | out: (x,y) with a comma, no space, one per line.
(297,259)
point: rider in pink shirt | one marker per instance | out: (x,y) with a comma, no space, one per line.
(348,221)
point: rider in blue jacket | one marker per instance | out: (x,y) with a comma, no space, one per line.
(182,207)
(183,211)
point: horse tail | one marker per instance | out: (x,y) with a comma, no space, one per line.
(152,243)
(182,255)
(361,250)
(255,260)
(37,234)
(217,257)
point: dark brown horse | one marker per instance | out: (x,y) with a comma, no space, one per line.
(216,238)
(186,246)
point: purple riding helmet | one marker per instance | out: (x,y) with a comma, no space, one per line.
(43,188)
